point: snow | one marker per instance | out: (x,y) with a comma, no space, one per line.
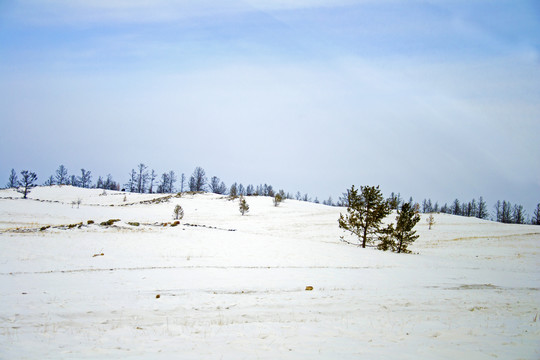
(234,287)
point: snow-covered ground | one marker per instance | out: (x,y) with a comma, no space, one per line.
(234,287)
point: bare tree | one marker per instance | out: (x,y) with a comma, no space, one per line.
(13,181)
(28,180)
(482,212)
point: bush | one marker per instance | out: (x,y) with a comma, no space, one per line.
(178,212)
(134,223)
(109,222)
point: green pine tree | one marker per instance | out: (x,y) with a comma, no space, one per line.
(243,207)
(406,220)
(365,213)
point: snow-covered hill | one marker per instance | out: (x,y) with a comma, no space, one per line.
(225,286)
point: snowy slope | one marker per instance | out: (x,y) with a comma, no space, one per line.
(233,286)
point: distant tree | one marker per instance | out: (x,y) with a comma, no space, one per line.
(243,205)
(473,208)
(152,178)
(536,216)
(498,212)
(217,186)
(172,180)
(132,182)
(182,182)
(178,212)
(49,181)
(430,220)
(73,181)
(456,207)
(436,207)
(364,213)
(141,178)
(197,181)
(163,187)
(518,215)
(329,202)
(482,212)
(110,184)
(403,235)
(394,201)
(241,189)
(250,190)
(506,212)
(298,195)
(233,191)
(28,180)
(445,209)
(13,180)
(85,179)
(62,175)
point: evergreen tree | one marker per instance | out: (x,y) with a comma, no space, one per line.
(536,216)
(243,205)
(62,175)
(482,212)
(13,180)
(85,178)
(28,180)
(49,181)
(399,238)
(364,213)
(518,215)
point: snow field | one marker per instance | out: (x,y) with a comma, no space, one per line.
(470,291)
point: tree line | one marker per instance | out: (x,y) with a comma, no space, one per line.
(143,180)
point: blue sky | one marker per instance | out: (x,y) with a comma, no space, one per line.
(437,99)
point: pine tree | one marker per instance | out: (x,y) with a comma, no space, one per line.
(13,181)
(243,205)
(482,212)
(364,213)
(27,181)
(406,221)
(536,216)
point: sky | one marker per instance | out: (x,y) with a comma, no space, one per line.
(429,99)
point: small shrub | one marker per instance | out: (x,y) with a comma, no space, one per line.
(178,212)
(43,228)
(109,222)
(134,223)
(90,222)
(176,223)
(243,206)
(278,198)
